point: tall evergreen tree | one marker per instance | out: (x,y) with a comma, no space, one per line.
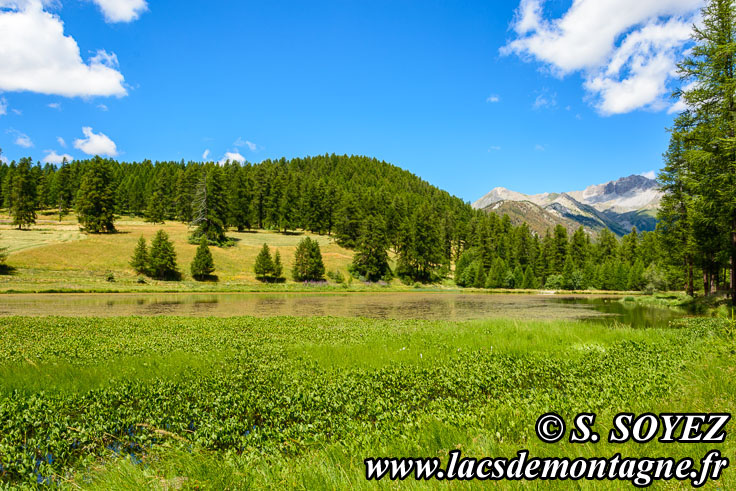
(210,207)
(308,265)
(23,196)
(140,259)
(370,260)
(264,265)
(162,258)
(710,93)
(95,199)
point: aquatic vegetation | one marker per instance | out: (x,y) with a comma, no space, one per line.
(74,391)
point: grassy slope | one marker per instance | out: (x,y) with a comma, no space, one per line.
(53,255)
(383,388)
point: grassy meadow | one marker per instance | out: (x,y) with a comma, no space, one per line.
(56,256)
(287,402)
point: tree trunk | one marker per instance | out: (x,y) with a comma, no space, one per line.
(706,283)
(733,261)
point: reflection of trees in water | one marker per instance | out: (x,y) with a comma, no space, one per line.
(432,306)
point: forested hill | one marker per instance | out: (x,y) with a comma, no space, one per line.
(367,205)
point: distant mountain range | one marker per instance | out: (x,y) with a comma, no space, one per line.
(617,205)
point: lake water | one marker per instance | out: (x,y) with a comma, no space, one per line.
(389,305)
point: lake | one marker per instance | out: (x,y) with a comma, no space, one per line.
(389,305)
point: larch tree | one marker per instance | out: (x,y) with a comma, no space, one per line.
(96,199)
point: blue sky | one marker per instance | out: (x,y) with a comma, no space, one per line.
(533,96)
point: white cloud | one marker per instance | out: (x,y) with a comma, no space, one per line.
(96,143)
(36,56)
(650,175)
(121,10)
(494,148)
(232,157)
(102,107)
(625,49)
(21,139)
(55,105)
(61,141)
(493,98)
(545,99)
(245,143)
(3,106)
(206,154)
(17,112)
(539,148)
(54,158)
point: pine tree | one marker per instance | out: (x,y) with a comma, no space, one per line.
(3,251)
(560,249)
(709,91)
(308,265)
(370,260)
(240,197)
(63,189)
(162,258)
(480,277)
(210,208)
(518,276)
(95,199)
(349,220)
(140,260)
(467,258)
(530,281)
(203,265)
(497,275)
(156,210)
(278,268)
(579,247)
(264,266)
(422,259)
(23,196)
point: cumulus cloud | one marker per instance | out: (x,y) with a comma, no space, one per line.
(493,98)
(21,139)
(36,56)
(625,50)
(61,141)
(54,158)
(206,154)
(650,174)
(232,157)
(121,10)
(96,143)
(245,143)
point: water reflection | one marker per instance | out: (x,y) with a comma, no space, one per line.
(409,305)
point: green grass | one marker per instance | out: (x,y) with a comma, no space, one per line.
(55,256)
(299,402)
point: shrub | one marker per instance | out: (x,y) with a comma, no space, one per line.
(336,276)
